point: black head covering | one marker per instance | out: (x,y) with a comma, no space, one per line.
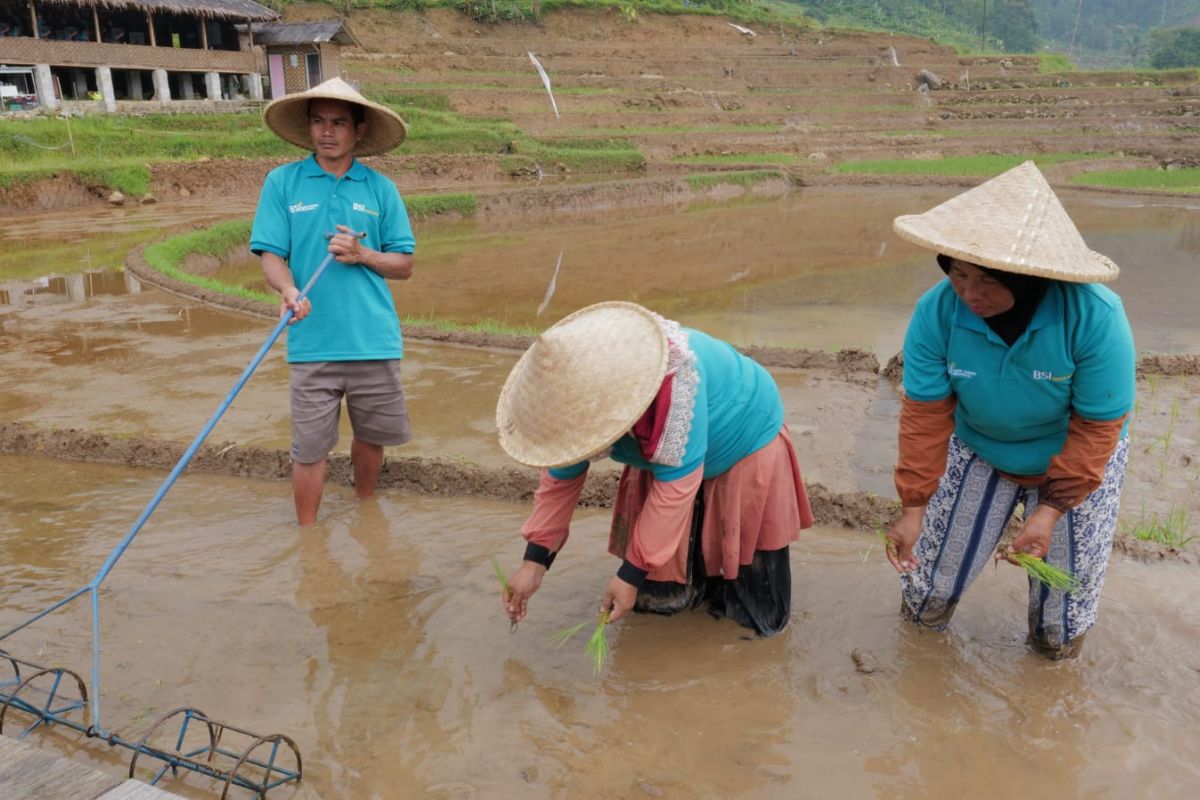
(1027,292)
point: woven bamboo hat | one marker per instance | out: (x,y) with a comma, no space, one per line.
(288,117)
(582,385)
(1013,223)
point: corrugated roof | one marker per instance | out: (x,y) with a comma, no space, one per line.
(213,9)
(333,30)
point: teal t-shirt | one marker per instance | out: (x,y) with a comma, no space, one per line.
(353,315)
(737,412)
(1014,403)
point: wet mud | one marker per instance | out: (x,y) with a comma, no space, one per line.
(433,476)
(376,640)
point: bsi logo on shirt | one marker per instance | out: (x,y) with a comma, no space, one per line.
(300,208)
(955,372)
(365,210)
(1044,375)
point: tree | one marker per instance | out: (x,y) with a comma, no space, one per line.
(1178,47)
(1013,24)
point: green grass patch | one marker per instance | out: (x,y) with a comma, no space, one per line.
(430,205)
(976,166)
(1186,180)
(168,256)
(1171,530)
(745,178)
(1049,63)
(480,326)
(738,158)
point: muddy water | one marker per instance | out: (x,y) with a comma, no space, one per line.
(148,364)
(376,641)
(819,269)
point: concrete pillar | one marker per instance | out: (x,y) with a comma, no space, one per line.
(254,81)
(79,78)
(212,85)
(134,79)
(186,90)
(105,85)
(76,290)
(162,87)
(43,80)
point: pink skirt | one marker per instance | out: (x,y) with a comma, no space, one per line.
(758,504)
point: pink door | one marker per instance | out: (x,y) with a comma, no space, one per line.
(275,65)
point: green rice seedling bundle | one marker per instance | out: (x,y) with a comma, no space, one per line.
(559,638)
(887,543)
(500,575)
(1047,574)
(597,646)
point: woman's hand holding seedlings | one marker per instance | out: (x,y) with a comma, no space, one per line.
(521,586)
(1037,531)
(618,598)
(903,536)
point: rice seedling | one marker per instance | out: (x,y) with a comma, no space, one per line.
(1046,574)
(500,575)
(597,646)
(1170,530)
(559,638)
(887,543)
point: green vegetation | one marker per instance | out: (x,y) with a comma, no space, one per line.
(115,151)
(500,576)
(1049,63)
(430,205)
(1171,530)
(597,646)
(984,166)
(1046,574)
(168,256)
(1185,180)
(745,178)
(738,158)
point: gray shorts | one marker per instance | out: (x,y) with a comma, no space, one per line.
(374,400)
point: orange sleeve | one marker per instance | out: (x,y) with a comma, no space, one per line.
(1078,470)
(553,505)
(925,430)
(664,521)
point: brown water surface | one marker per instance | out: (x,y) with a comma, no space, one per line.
(819,269)
(376,640)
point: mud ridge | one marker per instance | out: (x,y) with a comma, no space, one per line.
(432,476)
(425,475)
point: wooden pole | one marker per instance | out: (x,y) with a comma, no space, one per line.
(203,34)
(96,22)
(250,31)
(33,19)
(150,20)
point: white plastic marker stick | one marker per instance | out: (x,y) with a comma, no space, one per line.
(550,288)
(546,83)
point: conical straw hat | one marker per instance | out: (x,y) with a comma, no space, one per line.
(288,117)
(1013,223)
(582,385)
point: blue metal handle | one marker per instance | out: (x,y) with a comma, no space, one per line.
(119,550)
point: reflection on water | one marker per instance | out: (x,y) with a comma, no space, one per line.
(820,268)
(376,640)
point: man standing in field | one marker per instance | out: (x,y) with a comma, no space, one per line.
(346,342)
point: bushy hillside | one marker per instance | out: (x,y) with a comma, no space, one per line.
(1096,32)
